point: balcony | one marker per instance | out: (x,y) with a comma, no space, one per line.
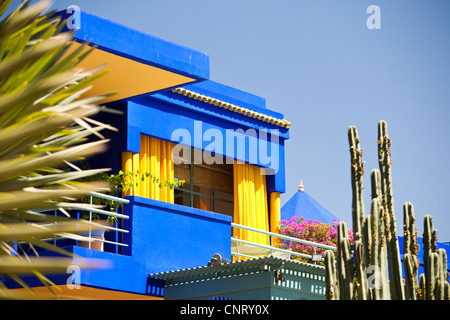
(150,236)
(153,239)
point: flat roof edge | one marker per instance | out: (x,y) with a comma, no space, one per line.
(136,45)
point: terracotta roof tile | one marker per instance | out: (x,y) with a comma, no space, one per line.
(234,108)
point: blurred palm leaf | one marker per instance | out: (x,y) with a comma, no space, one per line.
(44,124)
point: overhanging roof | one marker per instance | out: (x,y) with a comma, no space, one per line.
(138,63)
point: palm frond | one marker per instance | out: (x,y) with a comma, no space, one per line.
(44,125)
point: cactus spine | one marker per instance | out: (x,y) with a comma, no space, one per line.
(366,274)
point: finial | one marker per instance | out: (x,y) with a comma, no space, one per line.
(300,186)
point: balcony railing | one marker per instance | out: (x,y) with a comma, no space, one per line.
(105,213)
(261,249)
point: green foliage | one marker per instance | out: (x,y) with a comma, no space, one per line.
(118,183)
(126,180)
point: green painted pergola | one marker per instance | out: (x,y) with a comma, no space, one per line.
(269,278)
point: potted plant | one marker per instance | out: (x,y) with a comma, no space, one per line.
(109,221)
(96,234)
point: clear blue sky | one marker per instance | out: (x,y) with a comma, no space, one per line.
(318,64)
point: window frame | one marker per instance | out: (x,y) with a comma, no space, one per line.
(190,193)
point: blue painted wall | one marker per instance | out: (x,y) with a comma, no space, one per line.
(165,236)
(171,117)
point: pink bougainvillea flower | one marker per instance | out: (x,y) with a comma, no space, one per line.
(311,230)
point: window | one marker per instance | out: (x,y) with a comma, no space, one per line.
(207,186)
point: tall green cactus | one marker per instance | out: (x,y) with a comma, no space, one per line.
(357,172)
(358,214)
(374,270)
(429,242)
(385,163)
(345,274)
(332,290)
(410,252)
(378,254)
(435,281)
(444,285)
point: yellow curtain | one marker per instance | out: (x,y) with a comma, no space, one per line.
(155,158)
(250,203)
(275,215)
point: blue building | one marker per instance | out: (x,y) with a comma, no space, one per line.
(222,151)
(222,148)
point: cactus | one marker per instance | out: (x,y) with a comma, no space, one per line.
(429,257)
(436,285)
(410,252)
(344,264)
(357,172)
(378,256)
(385,163)
(376,247)
(421,291)
(361,243)
(442,285)
(332,290)
(360,279)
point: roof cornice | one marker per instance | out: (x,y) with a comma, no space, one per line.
(234,108)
